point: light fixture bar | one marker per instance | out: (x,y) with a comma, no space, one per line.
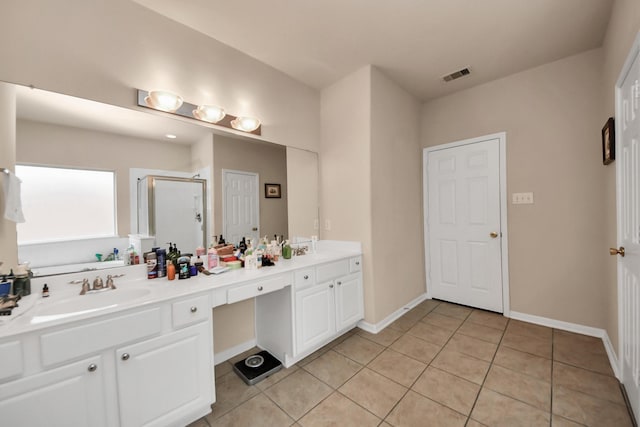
(186,110)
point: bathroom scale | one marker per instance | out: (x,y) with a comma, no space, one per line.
(257,367)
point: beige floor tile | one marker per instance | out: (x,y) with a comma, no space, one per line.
(278,376)
(482,332)
(537,346)
(464,366)
(518,327)
(398,367)
(259,410)
(522,387)
(359,349)
(472,347)
(313,356)
(487,318)
(427,305)
(385,337)
(581,351)
(298,393)
(373,392)
(404,323)
(589,410)
(202,422)
(447,389)
(474,423)
(416,410)
(416,348)
(333,368)
(433,334)
(495,410)
(447,322)
(529,364)
(588,382)
(452,310)
(338,411)
(223,369)
(558,421)
(231,391)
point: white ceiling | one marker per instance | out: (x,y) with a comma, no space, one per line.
(414,42)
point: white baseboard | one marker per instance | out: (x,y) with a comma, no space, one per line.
(374,328)
(227,354)
(574,327)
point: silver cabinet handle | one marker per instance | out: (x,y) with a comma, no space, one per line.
(92,368)
(260,288)
(194,309)
(339,283)
(357,262)
(125,356)
(331,286)
(306,276)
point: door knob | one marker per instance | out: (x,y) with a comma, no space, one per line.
(254,229)
(493,234)
(614,251)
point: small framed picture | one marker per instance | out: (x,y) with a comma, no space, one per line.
(272,191)
(608,142)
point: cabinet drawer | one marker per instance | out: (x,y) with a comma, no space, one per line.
(11,357)
(355,264)
(69,343)
(190,311)
(256,288)
(304,278)
(332,270)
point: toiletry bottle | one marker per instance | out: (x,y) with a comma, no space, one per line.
(221,241)
(183,267)
(161,255)
(45,291)
(152,265)
(212,258)
(286,250)
(171,270)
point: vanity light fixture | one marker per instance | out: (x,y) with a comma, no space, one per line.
(163,100)
(209,113)
(246,124)
(173,104)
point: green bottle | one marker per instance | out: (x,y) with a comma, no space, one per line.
(286,250)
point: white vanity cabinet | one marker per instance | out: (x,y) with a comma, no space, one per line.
(72,395)
(150,366)
(330,307)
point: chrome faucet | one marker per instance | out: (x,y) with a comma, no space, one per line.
(85,287)
(98,284)
(300,250)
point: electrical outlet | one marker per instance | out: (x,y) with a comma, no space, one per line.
(327,224)
(522,198)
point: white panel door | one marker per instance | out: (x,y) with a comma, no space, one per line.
(315,315)
(628,193)
(349,301)
(179,213)
(463,224)
(240,205)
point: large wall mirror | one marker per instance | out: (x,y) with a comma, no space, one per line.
(66,132)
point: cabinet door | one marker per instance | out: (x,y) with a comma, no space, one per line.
(315,315)
(72,395)
(349,301)
(165,380)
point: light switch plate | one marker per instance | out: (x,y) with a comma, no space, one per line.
(522,198)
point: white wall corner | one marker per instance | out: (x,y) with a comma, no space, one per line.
(374,328)
(577,328)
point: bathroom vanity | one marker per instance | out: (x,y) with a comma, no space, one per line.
(142,354)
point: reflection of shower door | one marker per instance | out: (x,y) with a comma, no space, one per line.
(177,211)
(241,217)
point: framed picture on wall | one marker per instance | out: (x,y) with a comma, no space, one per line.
(272,191)
(608,142)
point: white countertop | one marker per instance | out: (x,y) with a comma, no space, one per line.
(26,317)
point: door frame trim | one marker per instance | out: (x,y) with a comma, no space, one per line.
(224,197)
(504,246)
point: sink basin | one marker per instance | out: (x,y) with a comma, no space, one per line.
(89,303)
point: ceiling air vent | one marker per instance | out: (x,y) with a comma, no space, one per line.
(457,74)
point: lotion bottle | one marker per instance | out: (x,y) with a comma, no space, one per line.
(212,258)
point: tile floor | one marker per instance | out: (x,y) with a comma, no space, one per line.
(439,365)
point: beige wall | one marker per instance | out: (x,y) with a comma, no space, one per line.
(269,161)
(396,202)
(552,117)
(8,236)
(345,169)
(47,144)
(102,50)
(624,25)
